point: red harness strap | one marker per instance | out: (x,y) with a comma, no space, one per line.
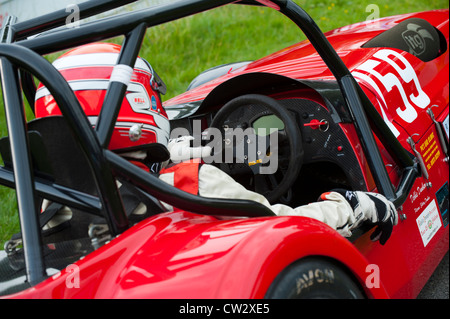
(185,176)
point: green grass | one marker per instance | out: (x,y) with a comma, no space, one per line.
(237,33)
(182,49)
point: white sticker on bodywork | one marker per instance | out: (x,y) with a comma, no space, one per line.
(445,125)
(429,222)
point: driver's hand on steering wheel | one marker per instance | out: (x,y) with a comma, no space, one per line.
(370,206)
(181,149)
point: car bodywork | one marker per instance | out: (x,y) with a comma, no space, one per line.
(204,249)
(301,62)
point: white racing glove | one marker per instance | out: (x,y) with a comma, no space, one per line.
(373,207)
(180,149)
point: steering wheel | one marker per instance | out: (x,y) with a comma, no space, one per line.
(266,163)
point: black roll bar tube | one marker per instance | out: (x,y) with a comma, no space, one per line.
(181,199)
(352,93)
(50,21)
(358,104)
(78,124)
(102,161)
(119,25)
(23,172)
(99,30)
(58,18)
(117,88)
(57,193)
(355,98)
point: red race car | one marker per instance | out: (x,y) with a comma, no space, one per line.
(362,107)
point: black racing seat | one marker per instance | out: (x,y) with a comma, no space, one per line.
(414,35)
(56,156)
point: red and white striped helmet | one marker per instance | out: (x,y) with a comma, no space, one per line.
(142,119)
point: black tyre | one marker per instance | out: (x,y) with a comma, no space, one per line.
(314,278)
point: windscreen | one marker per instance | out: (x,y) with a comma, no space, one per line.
(27,9)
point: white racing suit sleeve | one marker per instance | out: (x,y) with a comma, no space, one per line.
(335,212)
(168,178)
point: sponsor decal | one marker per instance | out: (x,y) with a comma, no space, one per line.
(414,37)
(415,193)
(138,101)
(154,104)
(442,199)
(429,222)
(138,98)
(430,150)
(445,125)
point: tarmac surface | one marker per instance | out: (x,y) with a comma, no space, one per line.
(438,285)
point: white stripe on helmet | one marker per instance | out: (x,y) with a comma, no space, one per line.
(93,60)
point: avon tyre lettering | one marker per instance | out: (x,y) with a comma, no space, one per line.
(314,276)
(401,76)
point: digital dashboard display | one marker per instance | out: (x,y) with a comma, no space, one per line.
(267,124)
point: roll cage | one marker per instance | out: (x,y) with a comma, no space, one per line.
(20,59)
